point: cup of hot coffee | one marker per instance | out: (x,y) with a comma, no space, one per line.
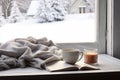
(71,55)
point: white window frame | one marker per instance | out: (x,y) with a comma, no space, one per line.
(110,13)
(113,31)
(101,24)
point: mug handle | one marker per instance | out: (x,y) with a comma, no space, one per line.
(80,56)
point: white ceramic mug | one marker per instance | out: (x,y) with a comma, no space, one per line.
(71,55)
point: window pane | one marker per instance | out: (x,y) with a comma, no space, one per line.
(63,21)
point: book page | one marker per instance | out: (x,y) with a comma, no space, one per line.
(84,66)
(61,66)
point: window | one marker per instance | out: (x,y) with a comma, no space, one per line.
(73,33)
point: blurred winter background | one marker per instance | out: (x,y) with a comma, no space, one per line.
(59,20)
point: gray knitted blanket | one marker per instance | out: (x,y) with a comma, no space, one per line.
(24,52)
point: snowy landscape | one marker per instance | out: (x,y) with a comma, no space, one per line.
(49,19)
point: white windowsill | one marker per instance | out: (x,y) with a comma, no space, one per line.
(106,64)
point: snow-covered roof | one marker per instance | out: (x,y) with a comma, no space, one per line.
(82,6)
(83,3)
(33,7)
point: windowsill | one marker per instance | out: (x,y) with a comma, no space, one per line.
(107,64)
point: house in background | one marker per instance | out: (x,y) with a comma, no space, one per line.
(81,6)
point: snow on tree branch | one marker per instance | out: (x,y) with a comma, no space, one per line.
(15,14)
(50,10)
(6,5)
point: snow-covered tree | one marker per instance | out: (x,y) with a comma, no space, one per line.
(50,10)
(15,15)
(44,11)
(2,20)
(92,5)
(70,3)
(59,10)
(6,6)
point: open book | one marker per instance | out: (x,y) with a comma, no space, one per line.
(62,66)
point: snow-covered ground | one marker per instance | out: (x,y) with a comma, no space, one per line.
(75,28)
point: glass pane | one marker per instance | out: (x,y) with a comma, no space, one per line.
(63,21)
